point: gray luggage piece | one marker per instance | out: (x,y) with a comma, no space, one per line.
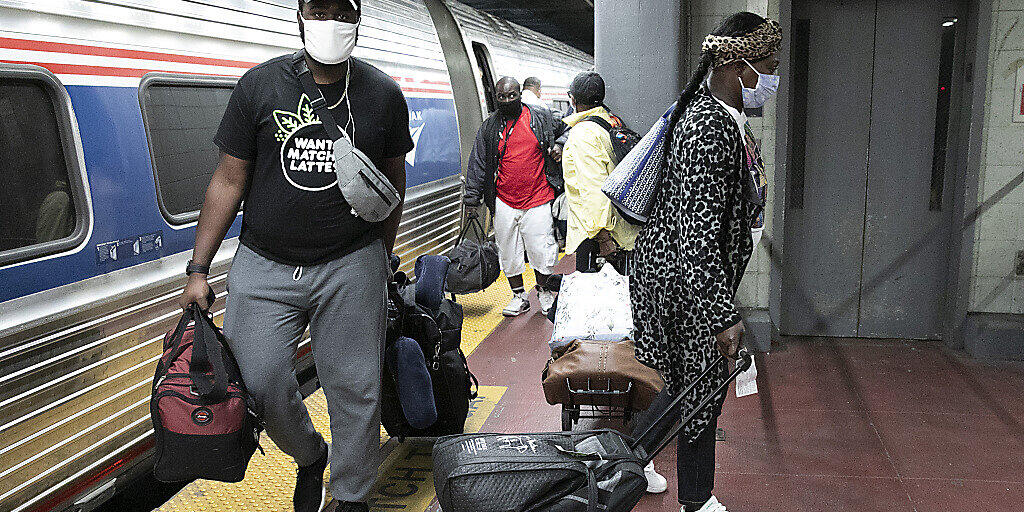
(557,471)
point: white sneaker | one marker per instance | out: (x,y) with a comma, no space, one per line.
(656,483)
(520,304)
(712,505)
(546,299)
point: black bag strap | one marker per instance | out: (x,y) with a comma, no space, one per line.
(592,490)
(319,104)
(743,362)
(472,223)
(163,364)
(207,352)
(607,127)
(601,122)
(475,384)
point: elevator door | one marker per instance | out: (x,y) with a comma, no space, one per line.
(867,206)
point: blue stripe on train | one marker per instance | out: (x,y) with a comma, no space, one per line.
(125,207)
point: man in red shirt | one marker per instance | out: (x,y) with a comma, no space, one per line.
(513,169)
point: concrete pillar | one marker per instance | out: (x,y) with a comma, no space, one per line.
(640,50)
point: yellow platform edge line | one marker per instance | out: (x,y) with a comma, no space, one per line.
(406,478)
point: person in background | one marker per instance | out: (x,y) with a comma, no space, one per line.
(513,170)
(595,227)
(692,253)
(305,260)
(531,93)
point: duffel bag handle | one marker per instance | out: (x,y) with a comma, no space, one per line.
(207,352)
(173,345)
(472,222)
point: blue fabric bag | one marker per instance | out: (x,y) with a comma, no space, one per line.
(636,179)
(415,391)
(431,272)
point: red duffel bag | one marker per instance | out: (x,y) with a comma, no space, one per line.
(203,418)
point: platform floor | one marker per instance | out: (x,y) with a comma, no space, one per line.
(838,425)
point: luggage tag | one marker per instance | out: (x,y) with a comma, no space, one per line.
(746,382)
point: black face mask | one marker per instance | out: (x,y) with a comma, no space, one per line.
(510,109)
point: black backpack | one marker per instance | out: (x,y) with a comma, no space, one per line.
(437,328)
(623,139)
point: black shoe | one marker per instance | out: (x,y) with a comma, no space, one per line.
(348,506)
(310,493)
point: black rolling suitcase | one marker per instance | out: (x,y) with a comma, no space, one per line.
(558,471)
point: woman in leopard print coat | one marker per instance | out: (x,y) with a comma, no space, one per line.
(691,255)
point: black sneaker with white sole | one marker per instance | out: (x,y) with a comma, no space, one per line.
(310,493)
(353,507)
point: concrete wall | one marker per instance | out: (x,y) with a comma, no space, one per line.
(999,234)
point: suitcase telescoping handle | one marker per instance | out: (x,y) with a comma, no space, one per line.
(743,362)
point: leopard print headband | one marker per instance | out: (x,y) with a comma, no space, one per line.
(758,44)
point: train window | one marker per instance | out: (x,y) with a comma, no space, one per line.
(486,77)
(42,190)
(182,114)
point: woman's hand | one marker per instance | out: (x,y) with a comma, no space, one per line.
(605,243)
(728,341)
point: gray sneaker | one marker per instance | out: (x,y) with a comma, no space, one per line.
(520,304)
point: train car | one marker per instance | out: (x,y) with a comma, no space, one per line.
(107,113)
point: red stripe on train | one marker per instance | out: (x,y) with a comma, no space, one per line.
(103,51)
(79,69)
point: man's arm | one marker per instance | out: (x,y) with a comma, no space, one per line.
(223,197)
(476,172)
(394,169)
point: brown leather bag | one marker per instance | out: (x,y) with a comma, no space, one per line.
(611,362)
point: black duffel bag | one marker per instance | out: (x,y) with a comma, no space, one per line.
(558,471)
(474,262)
(421,312)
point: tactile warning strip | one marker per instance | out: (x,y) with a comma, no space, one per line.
(482,310)
(270,479)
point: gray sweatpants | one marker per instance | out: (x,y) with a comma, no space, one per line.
(342,302)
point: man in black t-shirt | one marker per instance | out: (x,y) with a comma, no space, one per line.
(305,258)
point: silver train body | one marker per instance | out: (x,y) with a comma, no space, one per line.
(120,99)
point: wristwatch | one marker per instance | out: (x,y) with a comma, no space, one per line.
(195,268)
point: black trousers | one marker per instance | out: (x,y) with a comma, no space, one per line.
(586,256)
(695,460)
(695,463)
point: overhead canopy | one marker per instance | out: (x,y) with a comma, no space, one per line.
(569,21)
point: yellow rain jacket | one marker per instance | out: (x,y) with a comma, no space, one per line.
(586,163)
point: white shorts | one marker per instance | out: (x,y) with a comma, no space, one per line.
(525,231)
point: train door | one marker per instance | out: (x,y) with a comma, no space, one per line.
(483,62)
(460,74)
(868,214)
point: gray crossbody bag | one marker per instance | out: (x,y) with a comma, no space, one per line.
(365,188)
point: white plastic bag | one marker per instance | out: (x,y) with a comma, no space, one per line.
(593,306)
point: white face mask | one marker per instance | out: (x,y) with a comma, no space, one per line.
(329,41)
(767,86)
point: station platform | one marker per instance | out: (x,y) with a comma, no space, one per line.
(838,425)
